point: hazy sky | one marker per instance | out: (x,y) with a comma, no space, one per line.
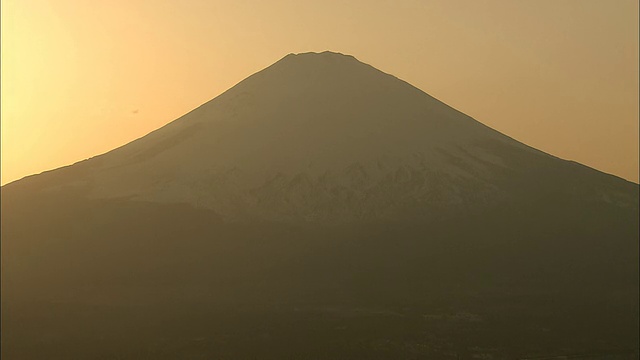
(82,77)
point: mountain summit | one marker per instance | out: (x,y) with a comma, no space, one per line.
(324,137)
(320,209)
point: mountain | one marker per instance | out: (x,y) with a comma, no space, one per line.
(320,209)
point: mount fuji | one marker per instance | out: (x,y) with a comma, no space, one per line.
(320,209)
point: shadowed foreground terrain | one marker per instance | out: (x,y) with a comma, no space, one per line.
(144,288)
(321,209)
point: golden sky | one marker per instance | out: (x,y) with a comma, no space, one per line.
(81,77)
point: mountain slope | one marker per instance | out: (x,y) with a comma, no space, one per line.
(318,137)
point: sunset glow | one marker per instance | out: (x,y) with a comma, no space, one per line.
(80,78)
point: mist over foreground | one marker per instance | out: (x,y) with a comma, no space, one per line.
(321,209)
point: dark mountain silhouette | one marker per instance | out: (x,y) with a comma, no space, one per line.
(320,209)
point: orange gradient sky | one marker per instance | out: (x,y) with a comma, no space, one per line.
(81,77)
